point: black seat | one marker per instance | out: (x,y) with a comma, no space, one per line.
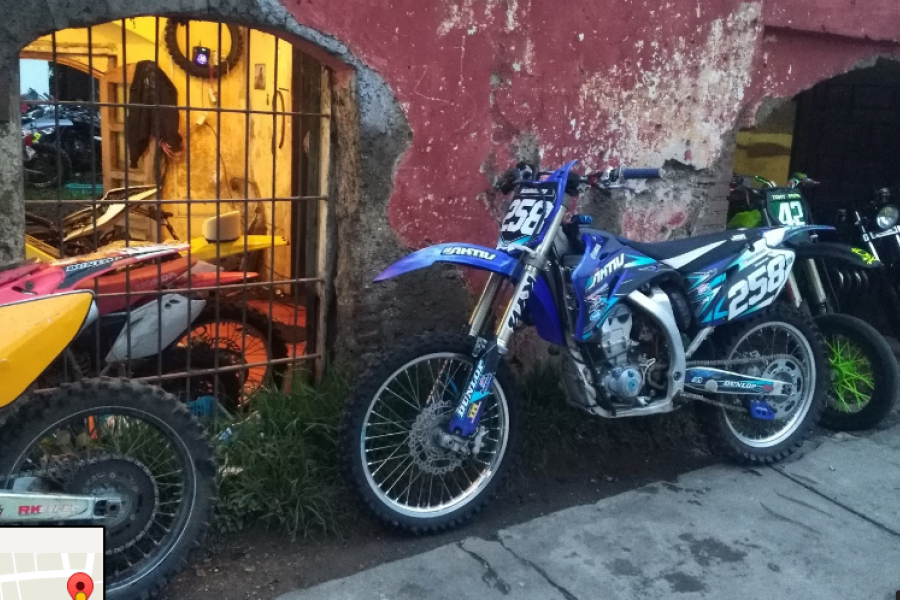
(688,254)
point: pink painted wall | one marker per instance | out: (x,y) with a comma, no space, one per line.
(633,81)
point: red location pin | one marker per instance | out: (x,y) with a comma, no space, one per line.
(80,586)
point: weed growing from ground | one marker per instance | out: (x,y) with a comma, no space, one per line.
(280,466)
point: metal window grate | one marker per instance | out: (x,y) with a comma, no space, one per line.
(255,140)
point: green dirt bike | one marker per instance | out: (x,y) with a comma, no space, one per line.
(864,370)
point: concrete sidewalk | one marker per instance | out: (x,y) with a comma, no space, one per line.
(824,526)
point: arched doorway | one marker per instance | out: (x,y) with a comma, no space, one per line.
(370,133)
(847,135)
(844,132)
(202,126)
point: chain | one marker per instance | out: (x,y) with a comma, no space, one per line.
(719,403)
(738,361)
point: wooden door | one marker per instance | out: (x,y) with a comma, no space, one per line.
(113,89)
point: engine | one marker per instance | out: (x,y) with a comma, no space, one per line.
(621,365)
(620,377)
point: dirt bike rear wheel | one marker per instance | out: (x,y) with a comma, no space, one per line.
(225,386)
(47,168)
(234,327)
(787,332)
(130,439)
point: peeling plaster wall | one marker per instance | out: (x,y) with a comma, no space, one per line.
(437,96)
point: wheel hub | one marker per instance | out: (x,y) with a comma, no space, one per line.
(423,447)
(126,479)
(787,370)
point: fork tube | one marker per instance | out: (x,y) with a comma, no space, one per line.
(519,298)
(483,307)
(820,300)
(794,290)
(865,235)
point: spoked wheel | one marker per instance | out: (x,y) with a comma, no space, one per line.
(392,430)
(864,373)
(129,440)
(780,344)
(243,337)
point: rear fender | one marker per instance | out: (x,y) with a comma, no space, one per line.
(836,253)
(469,255)
(154,326)
(778,235)
(209,281)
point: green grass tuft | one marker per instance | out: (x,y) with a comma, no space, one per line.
(281,465)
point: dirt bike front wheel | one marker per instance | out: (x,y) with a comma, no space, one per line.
(391,425)
(127,439)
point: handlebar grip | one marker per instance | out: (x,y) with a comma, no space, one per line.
(639,173)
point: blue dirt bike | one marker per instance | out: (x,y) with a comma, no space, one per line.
(645,328)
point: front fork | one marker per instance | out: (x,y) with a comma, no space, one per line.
(488,352)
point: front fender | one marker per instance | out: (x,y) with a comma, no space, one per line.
(469,255)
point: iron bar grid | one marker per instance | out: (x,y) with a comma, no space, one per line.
(288,167)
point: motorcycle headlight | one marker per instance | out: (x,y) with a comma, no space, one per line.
(888,216)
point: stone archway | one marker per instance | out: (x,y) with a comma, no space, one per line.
(839,127)
(370,133)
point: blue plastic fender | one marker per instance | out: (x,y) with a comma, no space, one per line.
(470,255)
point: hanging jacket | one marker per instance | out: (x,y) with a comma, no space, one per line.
(151,86)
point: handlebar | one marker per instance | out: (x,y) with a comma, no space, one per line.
(639,173)
(598,180)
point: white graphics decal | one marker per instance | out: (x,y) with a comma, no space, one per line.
(608,269)
(676,262)
(466,251)
(761,286)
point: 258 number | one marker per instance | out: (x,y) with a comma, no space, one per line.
(524,216)
(758,286)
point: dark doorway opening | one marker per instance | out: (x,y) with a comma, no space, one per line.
(847,136)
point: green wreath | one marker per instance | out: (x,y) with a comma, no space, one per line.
(225,66)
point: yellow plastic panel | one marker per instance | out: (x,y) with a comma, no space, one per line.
(35,332)
(204,250)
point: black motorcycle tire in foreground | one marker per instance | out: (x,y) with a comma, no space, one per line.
(364,403)
(863,365)
(163,519)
